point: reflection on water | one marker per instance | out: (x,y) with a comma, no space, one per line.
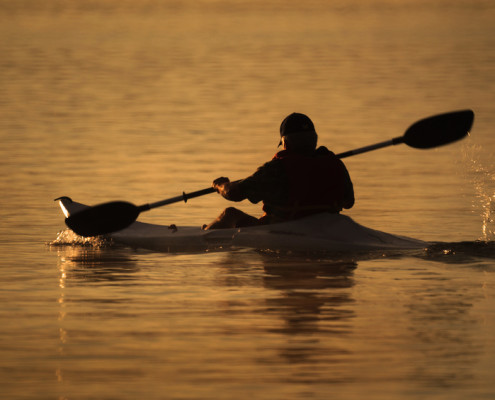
(312,300)
(96,264)
(220,322)
(310,293)
(442,326)
(138,101)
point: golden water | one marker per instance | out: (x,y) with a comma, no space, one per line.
(140,101)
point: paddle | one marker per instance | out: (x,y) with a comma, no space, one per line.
(427,133)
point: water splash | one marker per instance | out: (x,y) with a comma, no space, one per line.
(68,238)
(482,174)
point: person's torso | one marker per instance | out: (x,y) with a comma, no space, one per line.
(315,183)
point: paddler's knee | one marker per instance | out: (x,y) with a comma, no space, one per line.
(231,212)
(224,220)
(231,217)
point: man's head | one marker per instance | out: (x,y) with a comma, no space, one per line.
(298,133)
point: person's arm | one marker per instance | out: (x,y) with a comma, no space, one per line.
(268,181)
(348,196)
(229,190)
(348,200)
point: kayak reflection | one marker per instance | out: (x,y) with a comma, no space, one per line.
(313,295)
(307,307)
(315,303)
(96,264)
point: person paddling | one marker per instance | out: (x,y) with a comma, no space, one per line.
(299,181)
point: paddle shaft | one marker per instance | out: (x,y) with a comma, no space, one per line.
(376,146)
(186,196)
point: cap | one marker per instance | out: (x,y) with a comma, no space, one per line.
(296,123)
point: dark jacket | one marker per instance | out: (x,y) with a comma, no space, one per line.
(294,185)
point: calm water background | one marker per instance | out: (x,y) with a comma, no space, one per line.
(139,101)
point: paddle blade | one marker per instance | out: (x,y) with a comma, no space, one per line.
(103,218)
(439,129)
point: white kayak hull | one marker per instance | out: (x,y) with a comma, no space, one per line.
(317,233)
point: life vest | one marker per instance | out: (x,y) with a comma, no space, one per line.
(317,183)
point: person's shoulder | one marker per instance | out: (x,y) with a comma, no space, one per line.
(271,166)
(323,151)
(265,171)
(276,161)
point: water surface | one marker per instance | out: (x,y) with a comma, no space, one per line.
(140,101)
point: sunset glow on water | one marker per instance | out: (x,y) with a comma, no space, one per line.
(141,101)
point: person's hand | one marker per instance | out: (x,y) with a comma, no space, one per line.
(219,183)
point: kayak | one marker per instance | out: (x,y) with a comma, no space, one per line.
(323,232)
